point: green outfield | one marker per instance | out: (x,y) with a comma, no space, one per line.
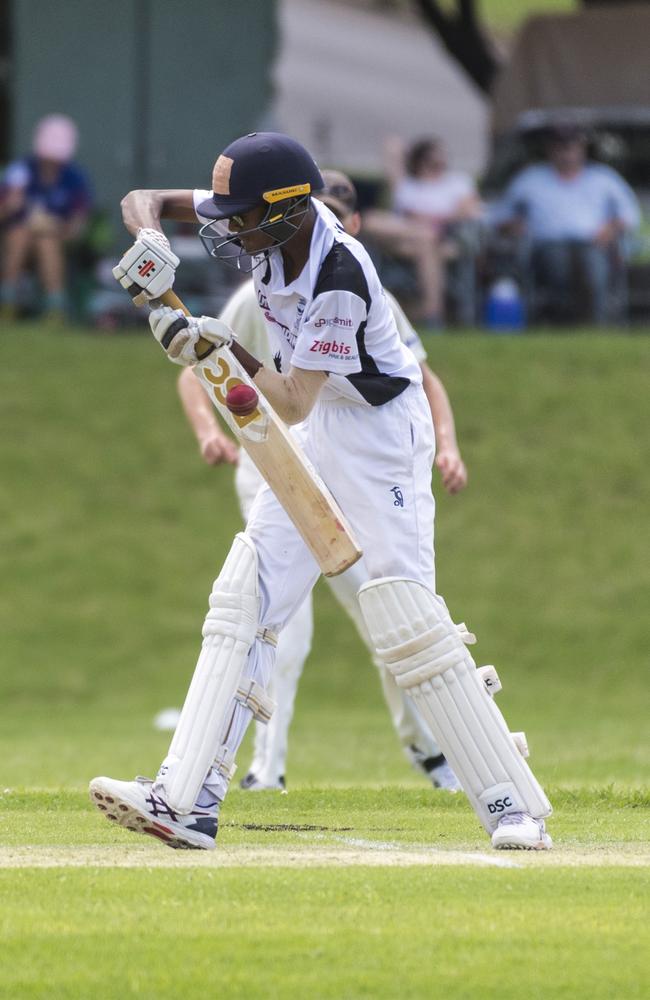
(362,881)
(504,16)
(509,14)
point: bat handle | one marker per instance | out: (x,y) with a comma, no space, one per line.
(169,298)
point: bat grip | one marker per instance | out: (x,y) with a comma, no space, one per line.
(169,298)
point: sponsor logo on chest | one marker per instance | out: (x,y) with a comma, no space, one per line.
(337,321)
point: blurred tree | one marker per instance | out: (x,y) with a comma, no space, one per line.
(464,37)
(461,30)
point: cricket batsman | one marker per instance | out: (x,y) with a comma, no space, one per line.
(345,376)
(244,317)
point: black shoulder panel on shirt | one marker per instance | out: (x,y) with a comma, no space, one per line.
(375,387)
(342,272)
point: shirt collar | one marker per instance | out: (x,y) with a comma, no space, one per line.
(322,238)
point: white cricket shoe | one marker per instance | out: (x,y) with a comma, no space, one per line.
(442,776)
(437,769)
(251,783)
(135,805)
(518,831)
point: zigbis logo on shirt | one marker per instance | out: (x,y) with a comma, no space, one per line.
(331,348)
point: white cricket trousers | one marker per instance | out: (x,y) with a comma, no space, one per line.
(294,645)
(377,462)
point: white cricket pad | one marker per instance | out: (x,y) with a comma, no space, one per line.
(420,645)
(229,631)
(490,678)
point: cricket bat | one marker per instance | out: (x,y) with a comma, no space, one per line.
(279,459)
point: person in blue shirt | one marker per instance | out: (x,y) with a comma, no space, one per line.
(572,217)
(45,199)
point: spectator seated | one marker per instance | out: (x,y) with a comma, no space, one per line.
(568,223)
(45,199)
(426,244)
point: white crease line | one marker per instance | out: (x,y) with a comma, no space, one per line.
(387,845)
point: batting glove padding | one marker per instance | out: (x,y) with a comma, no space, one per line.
(148,268)
(179,334)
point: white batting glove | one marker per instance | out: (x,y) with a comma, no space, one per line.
(148,269)
(179,334)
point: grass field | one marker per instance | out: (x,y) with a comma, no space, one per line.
(362,881)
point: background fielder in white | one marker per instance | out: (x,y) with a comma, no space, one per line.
(244,316)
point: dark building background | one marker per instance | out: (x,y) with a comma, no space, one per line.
(157,89)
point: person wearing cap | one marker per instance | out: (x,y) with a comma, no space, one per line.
(45,199)
(352,393)
(243,315)
(570,217)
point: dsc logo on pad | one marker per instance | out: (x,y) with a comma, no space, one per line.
(500,805)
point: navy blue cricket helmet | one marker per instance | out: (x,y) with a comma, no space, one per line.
(262,168)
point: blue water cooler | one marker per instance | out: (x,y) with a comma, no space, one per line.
(504,310)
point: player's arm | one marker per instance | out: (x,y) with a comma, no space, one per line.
(448,458)
(317,354)
(293,395)
(146,209)
(148,268)
(215,446)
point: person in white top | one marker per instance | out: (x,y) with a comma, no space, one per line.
(429,202)
(243,315)
(343,374)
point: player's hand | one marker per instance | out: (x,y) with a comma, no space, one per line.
(452,470)
(148,269)
(216,448)
(179,334)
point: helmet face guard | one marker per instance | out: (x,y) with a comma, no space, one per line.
(282,220)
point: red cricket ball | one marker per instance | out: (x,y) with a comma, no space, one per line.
(241,399)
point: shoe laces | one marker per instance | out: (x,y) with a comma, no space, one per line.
(513,819)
